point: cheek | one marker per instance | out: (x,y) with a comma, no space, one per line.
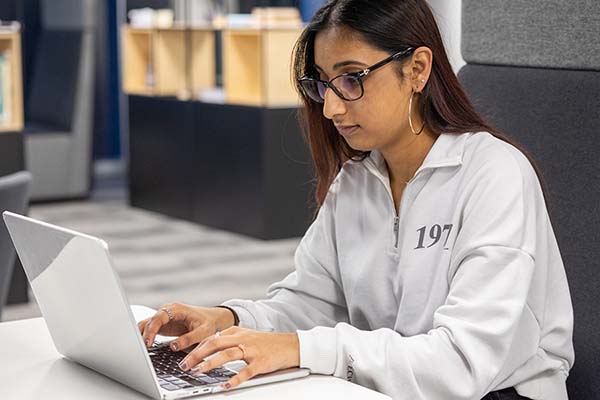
(385,97)
(385,112)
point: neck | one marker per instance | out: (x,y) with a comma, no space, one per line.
(407,156)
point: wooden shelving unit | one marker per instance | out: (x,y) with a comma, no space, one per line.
(257,66)
(158,62)
(203,65)
(12,91)
(181,62)
(137,63)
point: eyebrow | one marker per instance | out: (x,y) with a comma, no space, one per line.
(343,64)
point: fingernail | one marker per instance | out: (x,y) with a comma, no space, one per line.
(183,365)
(227,386)
(175,346)
(146,341)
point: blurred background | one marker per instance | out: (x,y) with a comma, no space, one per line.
(167,128)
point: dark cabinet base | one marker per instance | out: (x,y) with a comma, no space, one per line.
(11,161)
(238,168)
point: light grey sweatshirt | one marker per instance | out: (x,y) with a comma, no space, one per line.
(461,292)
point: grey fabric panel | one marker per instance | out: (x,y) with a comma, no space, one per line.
(14,195)
(68,14)
(58,141)
(555,115)
(80,162)
(47,157)
(534,33)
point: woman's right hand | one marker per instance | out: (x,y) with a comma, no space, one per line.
(190,323)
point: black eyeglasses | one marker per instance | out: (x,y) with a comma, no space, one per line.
(348,86)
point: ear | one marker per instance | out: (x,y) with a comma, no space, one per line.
(419,68)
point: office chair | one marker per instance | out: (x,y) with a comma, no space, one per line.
(533,70)
(14,196)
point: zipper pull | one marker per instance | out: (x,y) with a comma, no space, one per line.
(396,231)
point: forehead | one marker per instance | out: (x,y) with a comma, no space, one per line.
(341,44)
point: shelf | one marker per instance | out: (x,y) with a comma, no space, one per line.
(137,64)
(157,62)
(203,67)
(257,66)
(169,62)
(11,96)
(256,63)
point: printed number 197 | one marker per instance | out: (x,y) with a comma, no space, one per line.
(435,234)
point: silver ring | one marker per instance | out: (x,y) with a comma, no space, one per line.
(169,313)
(217,333)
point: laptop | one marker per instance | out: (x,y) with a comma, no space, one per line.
(91,322)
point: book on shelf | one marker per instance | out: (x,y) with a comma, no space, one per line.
(10,26)
(5,89)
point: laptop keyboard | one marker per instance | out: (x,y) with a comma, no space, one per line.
(171,377)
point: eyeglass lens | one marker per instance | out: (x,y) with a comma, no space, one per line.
(347,87)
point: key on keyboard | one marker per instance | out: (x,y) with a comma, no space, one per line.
(171,377)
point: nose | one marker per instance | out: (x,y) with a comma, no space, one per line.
(333,105)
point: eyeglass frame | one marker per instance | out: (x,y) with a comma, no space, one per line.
(359,75)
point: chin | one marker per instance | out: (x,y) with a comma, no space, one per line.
(357,145)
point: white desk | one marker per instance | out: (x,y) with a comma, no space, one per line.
(31,368)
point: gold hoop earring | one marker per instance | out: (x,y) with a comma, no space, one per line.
(412,128)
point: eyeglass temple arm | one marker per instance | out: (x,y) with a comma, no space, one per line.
(387,60)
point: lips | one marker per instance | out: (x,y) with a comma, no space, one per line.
(347,130)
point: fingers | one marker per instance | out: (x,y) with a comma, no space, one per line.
(263,353)
(225,356)
(229,350)
(244,375)
(142,324)
(153,325)
(190,338)
(210,346)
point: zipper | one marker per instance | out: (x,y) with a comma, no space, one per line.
(396,230)
(372,168)
(399,214)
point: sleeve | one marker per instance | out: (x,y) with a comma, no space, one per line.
(482,332)
(310,296)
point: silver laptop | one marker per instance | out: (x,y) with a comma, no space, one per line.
(84,305)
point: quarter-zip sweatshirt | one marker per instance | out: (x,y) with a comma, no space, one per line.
(460,292)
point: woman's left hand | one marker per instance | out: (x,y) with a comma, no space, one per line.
(264,352)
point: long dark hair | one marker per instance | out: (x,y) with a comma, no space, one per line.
(387,25)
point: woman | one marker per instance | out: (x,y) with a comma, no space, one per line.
(431,270)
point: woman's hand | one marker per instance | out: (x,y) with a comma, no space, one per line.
(192,324)
(264,352)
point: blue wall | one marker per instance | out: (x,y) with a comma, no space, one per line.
(309,7)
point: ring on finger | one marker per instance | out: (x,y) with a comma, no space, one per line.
(243,349)
(169,313)
(218,334)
